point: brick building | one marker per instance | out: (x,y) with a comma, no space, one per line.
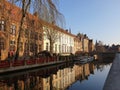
(33,37)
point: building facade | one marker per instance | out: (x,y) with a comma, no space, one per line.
(33,35)
(77,45)
(64,40)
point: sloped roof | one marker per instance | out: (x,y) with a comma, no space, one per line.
(15,14)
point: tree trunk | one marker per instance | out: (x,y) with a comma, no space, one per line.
(23,14)
(18,39)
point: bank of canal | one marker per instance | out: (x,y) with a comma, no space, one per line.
(64,76)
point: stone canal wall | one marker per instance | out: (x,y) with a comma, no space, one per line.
(113,78)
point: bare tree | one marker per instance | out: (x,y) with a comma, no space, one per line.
(52,35)
(45,7)
(24,8)
(48,11)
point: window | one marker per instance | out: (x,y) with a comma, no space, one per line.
(32,35)
(63,48)
(35,48)
(2,25)
(55,48)
(12,47)
(70,49)
(59,48)
(13,29)
(31,47)
(26,48)
(36,36)
(12,42)
(2,44)
(47,46)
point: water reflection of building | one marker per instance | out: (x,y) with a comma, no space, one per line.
(78,71)
(63,78)
(86,70)
(83,71)
(92,68)
(47,79)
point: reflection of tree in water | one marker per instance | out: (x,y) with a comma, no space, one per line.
(16,85)
(86,72)
(31,80)
(51,78)
(102,66)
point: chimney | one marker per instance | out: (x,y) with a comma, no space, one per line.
(36,14)
(66,30)
(70,30)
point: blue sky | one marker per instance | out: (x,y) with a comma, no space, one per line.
(99,19)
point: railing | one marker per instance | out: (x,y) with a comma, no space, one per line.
(4,64)
(31,62)
(16,63)
(41,60)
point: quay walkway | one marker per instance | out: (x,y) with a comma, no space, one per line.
(113,78)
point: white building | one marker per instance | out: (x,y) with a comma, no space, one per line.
(64,43)
(67,42)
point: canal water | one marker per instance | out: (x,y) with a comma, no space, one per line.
(67,76)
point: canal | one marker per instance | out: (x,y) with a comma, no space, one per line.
(65,76)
